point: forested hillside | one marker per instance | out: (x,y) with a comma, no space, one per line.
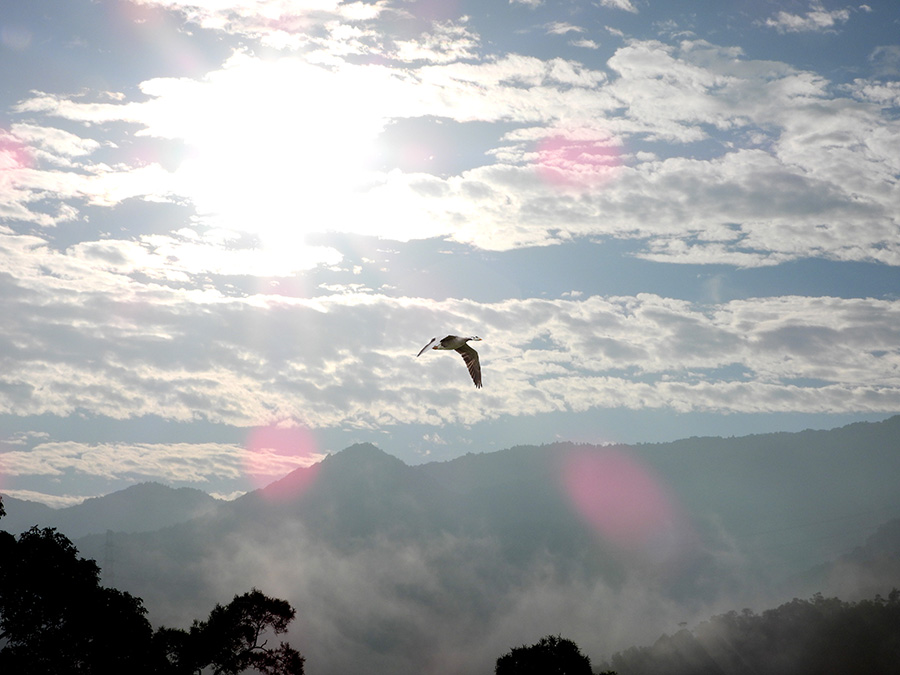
(820,635)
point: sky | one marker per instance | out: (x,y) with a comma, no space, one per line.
(228,226)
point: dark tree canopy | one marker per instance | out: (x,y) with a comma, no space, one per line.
(56,619)
(55,616)
(820,635)
(552,655)
(234,637)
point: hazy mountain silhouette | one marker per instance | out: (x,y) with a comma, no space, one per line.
(818,635)
(864,572)
(441,567)
(21,514)
(351,496)
(140,508)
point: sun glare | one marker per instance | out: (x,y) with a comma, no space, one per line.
(277,148)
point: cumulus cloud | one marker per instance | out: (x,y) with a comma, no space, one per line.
(281,23)
(696,151)
(448,42)
(56,142)
(886,59)
(173,463)
(619,4)
(585,44)
(177,463)
(817,18)
(561,28)
(796,171)
(178,351)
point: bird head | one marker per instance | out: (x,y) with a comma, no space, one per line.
(475,338)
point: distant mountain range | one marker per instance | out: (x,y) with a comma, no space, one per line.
(140,508)
(868,570)
(442,567)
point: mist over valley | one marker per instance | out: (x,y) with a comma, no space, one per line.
(441,567)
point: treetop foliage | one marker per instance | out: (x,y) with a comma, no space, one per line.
(819,635)
(551,655)
(56,619)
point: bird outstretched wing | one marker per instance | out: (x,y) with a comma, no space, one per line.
(470,356)
(433,340)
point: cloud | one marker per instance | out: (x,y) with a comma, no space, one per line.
(886,60)
(171,463)
(176,463)
(561,28)
(619,4)
(817,19)
(448,42)
(279,23)
(185,351)
(57,144)
(53,501)
(793,169)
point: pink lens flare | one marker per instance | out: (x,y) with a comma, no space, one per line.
(274,451)
(14,156)
(624,503)
(574,162)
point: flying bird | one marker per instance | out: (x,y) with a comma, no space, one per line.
(459,344)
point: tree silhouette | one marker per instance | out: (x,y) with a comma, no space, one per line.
(234,639)
(552,655)
(820,635)
(56,619)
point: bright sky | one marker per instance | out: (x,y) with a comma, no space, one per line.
(228,226)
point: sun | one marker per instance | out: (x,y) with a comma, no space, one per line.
(277,148)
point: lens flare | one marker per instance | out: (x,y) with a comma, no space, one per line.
(624,503)
(153,27)
(585,163)
(14,156)
(274,451)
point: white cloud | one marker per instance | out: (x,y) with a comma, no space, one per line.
(194,463)
(795,169)
(561,28)
(886,60)
(53,501)
(816,19)
(585,44)
(447,43)
(280,23)
(619,4)
(56,142)
(349,361)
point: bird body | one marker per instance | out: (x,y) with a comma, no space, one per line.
(460,345)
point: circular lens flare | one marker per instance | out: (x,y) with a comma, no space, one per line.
(274,451)
(623,502)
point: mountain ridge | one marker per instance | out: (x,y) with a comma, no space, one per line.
(486,471)
(392,564)
(142,507)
